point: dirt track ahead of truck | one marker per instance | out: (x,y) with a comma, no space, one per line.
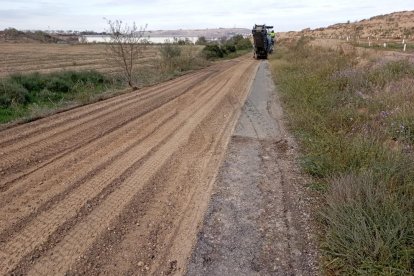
(119,186)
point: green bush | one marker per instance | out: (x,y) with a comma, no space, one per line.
(169,51)
(19,91)
(230,48)
(213,51)
(240,42)
(56,84)
(201,41)
(12,93)
(32,82)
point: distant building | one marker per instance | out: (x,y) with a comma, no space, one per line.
(151,39)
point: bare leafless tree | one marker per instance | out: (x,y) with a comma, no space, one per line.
(126,47)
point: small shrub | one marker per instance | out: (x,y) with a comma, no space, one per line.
(169,51)
(12,93)
(32,82)
(201,41)
(213,51)
(230,48)
(56,84)
(178,58)
(240,42)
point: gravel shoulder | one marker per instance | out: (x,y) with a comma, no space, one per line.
(259,218)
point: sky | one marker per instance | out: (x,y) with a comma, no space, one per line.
(284,15)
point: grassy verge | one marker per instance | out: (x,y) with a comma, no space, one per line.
(31,95)
(355,124)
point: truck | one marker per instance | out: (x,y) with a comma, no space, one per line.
(261,41)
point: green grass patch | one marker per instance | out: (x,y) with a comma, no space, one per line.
(355,126)
(25,94)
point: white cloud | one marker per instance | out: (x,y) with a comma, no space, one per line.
(161,14)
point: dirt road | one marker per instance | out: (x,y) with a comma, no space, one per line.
(118,187)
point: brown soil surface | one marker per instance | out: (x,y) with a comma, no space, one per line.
(45,58)
(121,186)
(397,25)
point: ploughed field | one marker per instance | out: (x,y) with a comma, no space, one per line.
(45,58)
(120,186)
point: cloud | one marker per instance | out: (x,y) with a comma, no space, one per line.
(176,14)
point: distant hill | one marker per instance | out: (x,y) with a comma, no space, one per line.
(13,35)
(207,33)
(395,25)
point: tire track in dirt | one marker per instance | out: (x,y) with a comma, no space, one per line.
(37,195)
(203,155)
(69,207)
(114,204)
(173,211)
(52,219)
(33,200)
(73,211)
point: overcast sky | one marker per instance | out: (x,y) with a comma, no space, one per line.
(285,15)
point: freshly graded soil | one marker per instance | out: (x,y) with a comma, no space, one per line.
(120,186)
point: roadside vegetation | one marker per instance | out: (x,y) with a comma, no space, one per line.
(354,119)
(33,94)
(177,58)
(227,48)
